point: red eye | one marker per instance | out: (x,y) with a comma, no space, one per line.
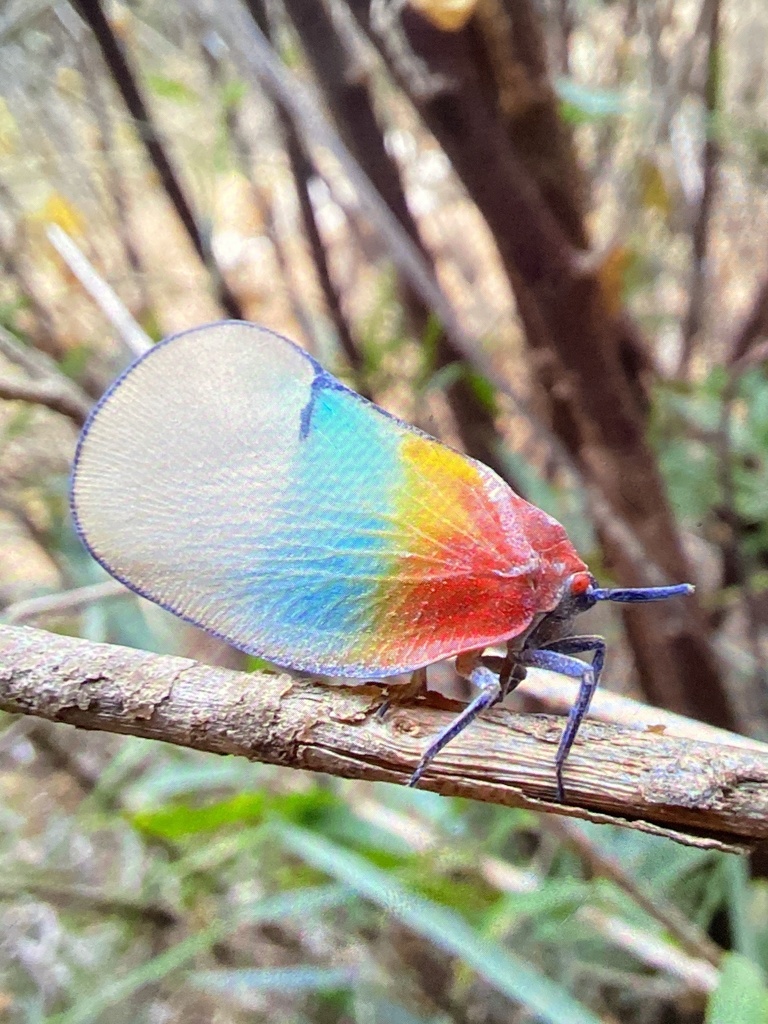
(581,582)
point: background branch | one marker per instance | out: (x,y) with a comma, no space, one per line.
(64,602)
(49,393)
(47,385)
(133,335)
(125,81)
(700,793)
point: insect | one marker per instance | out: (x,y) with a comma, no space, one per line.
(232,480)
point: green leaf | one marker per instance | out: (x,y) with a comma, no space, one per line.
(738,902)
(255,664)
(558,898)
(180,819)
(484,391)
(511,976)
(174,821)
(446,376)
(468,894)
(310,807)
(171,89)
(233,93)
(741,995)
(430,339)
(302,978)
(74,362)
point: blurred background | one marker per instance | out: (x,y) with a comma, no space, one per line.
(535,228)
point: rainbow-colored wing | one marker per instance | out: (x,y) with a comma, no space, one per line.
(232,480)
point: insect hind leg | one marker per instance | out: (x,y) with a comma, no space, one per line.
(488,685)
(557,656)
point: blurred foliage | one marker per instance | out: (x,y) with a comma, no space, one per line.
(151,885)
(690,431)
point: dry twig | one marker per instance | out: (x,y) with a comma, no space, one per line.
(65,602)
(102,294)
(699,793)
(46,384)
(48,393)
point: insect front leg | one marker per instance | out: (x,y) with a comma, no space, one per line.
(509,668)
(416,685)
(557,656)
(490,690)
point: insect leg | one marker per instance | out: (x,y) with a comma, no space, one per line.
(558,657)
(488,685)
(407,691)
(580,645)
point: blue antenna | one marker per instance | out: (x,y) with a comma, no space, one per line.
(630,594)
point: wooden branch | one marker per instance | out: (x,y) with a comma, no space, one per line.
(752,329)
(45,383)
(698,793)
(49,393)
